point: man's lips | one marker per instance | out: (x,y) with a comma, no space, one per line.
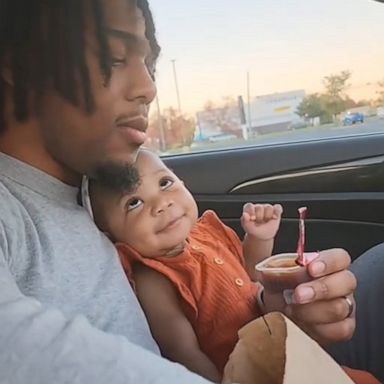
(134,129)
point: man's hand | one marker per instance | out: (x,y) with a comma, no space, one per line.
(321,308)
(261,221)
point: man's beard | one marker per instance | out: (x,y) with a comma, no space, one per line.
(121,178)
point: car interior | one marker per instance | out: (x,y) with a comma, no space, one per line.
(283,133)
(340,181)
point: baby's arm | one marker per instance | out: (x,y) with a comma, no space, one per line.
(169,325)
(260,223)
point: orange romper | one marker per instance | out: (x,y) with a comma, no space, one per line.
(218,295)
(361,377)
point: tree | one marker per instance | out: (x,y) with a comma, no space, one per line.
(313,106)
(336,85)
(361,103)
(380,99)
(335,92)
(329,104)
(224,116)
(310,107)
(174,130)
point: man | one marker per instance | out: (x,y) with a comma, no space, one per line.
(76,83)
(366,349)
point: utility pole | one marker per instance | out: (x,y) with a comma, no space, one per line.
(161,125)
(176,85)
(249,103)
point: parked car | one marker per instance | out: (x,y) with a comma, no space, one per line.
(380,112)
(353,118)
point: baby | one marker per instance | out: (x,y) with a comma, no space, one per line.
(193,276)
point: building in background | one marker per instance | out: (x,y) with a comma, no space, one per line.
(267,114)
(275,112)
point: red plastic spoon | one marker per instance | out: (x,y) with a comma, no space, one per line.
(301,260)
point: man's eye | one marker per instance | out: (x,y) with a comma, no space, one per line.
(118,62)
(166,183)
(133,204)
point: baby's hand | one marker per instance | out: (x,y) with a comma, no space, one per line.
(261,220)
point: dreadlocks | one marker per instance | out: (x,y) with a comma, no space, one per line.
(42,42)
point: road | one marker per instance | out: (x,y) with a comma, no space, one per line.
(372,125)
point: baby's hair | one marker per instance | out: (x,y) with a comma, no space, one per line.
(110,180)
(116,178)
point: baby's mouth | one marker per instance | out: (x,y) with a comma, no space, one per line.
(171,224)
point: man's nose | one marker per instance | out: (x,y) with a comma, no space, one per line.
(140,85)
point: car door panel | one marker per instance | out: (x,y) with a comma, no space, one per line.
(339,180)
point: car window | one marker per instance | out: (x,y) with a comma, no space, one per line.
(244,73)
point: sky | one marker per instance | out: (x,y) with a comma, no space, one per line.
(284,45)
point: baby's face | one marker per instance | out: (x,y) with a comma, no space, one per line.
(157,218)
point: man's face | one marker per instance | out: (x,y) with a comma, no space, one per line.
(83,143)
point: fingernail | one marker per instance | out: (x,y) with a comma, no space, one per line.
(289,296)
(317,268)
(305,295)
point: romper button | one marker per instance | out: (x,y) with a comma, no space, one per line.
(195,247)
(239,282)
(218,261)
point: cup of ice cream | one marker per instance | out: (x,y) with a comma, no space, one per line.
(282,272)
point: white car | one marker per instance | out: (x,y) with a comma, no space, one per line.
(380,112)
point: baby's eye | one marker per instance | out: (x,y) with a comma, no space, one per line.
(166,183)
(133,204)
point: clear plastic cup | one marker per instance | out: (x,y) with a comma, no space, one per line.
(279,273)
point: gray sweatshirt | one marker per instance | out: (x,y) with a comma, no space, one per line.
(67,312)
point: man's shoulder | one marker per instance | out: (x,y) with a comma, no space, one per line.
(12,212)
(10,216)
(9,201)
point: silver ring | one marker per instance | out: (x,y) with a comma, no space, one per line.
(351,306)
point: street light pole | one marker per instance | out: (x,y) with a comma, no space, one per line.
(249,103)
(176,84)
(161,125)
